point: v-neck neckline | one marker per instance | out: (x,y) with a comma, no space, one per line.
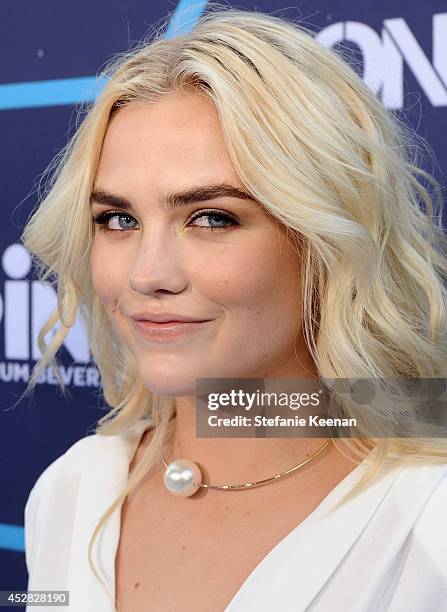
(312,550)
(304,547)
(316,545)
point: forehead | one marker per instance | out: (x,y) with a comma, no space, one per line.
(164,143)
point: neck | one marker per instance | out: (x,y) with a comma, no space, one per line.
(239,460)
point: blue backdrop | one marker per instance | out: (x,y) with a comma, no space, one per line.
(51,54)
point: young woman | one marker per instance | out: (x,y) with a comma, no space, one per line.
(237,204)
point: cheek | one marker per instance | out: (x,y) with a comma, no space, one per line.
(263,273)
(258,285)
(109,273)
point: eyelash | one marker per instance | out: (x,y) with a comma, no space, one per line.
(102,219)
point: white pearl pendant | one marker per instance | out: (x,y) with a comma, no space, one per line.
(180,476)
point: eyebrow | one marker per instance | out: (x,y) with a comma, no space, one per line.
(176,200)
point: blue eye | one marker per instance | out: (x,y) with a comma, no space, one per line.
(216,220)
(102,221)
(220,217)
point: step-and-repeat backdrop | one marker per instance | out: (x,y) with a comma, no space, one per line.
(51,52)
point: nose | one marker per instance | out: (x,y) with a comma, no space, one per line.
(156,266)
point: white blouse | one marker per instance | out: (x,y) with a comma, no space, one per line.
(386,549)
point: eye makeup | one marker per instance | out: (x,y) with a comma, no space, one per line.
(102,220)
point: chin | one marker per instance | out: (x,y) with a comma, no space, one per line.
(169,384)
(180,381)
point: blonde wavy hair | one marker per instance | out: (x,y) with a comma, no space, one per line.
(311,142)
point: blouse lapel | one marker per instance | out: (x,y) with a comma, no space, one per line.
(100,484)
(299,565)
(295,570)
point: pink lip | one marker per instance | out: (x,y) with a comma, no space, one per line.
(165,332)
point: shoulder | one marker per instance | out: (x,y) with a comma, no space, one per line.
(55,496)
(428,482)
(419,489)
(65,468)
(73,461)
(85,454)
(422,493)
(418,528)
(88,452)
(432,487)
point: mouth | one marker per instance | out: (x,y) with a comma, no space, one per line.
(172,330)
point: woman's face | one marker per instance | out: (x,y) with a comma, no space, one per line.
(223,260)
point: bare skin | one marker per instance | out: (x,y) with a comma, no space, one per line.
(184,555)
(243,278)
